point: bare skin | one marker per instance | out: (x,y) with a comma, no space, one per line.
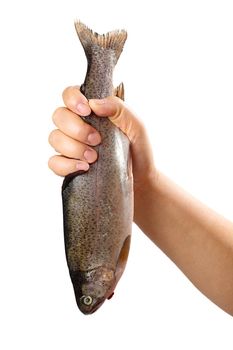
(198,240)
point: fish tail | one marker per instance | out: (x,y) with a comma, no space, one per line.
(114,40)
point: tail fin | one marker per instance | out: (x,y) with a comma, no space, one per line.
(112,40)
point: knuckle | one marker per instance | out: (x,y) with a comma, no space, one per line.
(66,92)
(57,172)
(51,163)
(120,109)
(57,114)
(53,136)
(118,113)
(70,95)
(50,139)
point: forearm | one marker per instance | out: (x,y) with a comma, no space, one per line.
(199,241)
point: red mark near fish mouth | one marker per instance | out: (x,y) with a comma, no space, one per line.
(110,296)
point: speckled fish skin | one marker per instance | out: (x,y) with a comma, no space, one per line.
(98,204)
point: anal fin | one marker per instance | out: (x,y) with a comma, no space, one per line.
(120,91)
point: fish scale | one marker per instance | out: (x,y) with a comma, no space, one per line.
(98,204)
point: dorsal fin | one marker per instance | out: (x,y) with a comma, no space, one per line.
(120,91)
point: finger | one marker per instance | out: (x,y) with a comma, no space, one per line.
(71,148)
(73,126)
(76,101)
(63,166)
(119,114)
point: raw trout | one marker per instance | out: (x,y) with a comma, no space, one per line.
(98,204)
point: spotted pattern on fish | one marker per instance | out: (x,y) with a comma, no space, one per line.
(98,204)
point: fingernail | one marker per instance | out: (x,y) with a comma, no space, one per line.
(83,108)
(82,166)
(89,155)
(93,138)
(99,102)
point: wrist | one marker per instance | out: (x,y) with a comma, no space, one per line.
(146,182)
(143,197)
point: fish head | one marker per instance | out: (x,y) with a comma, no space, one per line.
(93,287)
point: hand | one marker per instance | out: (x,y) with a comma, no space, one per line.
(73,138)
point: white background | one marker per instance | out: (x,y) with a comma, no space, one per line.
(177,69)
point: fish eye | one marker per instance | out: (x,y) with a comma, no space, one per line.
(86,300)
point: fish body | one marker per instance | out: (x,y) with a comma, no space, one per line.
(98,204)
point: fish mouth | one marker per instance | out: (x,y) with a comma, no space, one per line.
(96,306)
(100,302)
(92,288)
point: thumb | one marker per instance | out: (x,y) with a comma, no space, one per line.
(115,109)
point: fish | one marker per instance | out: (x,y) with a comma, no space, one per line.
(98,204)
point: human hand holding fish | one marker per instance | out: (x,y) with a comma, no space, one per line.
(73,137)
(198,240)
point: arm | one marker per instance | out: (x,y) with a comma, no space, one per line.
(198,240)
